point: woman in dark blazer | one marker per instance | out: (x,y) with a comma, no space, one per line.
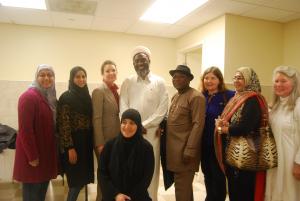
(127,162)
(106,119)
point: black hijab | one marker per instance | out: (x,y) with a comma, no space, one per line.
(127,155)
(80,97)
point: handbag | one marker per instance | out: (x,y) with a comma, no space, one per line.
(255,151)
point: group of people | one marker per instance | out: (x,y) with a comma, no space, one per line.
(239,113)
(59,136)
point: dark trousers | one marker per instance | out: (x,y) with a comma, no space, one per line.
(99,192)
(241,184)
(73,193)
(35,191)
(214,178)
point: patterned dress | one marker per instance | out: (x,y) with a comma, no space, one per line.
(75,129)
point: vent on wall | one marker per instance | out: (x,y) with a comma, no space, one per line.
(84,7)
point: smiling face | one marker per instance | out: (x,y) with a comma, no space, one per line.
(283,85)
(109,73)
(211,83)
(141,64)
(128,128)
(239,82)
(80,79)
(45,78)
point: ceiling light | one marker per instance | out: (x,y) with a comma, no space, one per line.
(35,4)
(170,11)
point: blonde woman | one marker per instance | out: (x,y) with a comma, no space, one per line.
(283,182)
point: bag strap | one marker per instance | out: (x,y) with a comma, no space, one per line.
(264,110)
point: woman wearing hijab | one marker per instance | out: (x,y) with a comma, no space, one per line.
(127,162)
(36,154)
(76,133)
(106,119)
(217,96)
(283,182)
(246,119)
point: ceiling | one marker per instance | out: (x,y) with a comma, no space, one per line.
(123,15)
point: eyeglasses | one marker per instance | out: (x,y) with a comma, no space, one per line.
(237,78)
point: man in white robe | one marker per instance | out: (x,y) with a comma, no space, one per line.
(146,93)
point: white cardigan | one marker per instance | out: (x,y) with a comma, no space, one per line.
(281,184)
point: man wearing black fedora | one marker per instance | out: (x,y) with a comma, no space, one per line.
(184,126)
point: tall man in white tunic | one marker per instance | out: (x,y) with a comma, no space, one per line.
(146,93)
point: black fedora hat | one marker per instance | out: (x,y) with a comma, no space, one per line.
(182,69)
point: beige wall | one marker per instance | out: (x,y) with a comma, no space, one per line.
(211,39)
(254,43)
(229,41)
(194,60)
(291,50)
(23,47)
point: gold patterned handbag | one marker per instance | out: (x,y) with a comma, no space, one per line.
(256,151)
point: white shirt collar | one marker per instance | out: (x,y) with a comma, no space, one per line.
(147,78)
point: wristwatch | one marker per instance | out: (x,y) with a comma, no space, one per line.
(219,129)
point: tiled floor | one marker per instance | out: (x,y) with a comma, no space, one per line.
(57,191)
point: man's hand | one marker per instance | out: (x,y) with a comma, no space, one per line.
(144,130)
(296,171)
(187,158)
(159,132)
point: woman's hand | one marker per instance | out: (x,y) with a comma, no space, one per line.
(296,171)
(99,149)
(221,125)
(218,122)
(122,197)
(72,156)
(34,163)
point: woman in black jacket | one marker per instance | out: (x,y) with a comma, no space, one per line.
(242,117)
(127,162)
(76,132)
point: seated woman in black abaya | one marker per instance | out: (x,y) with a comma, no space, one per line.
(127,162)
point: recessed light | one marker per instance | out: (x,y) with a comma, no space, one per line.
(35,4)
(170,11)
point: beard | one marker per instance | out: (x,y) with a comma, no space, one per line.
(142,72)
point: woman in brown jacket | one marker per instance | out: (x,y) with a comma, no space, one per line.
(105,101)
